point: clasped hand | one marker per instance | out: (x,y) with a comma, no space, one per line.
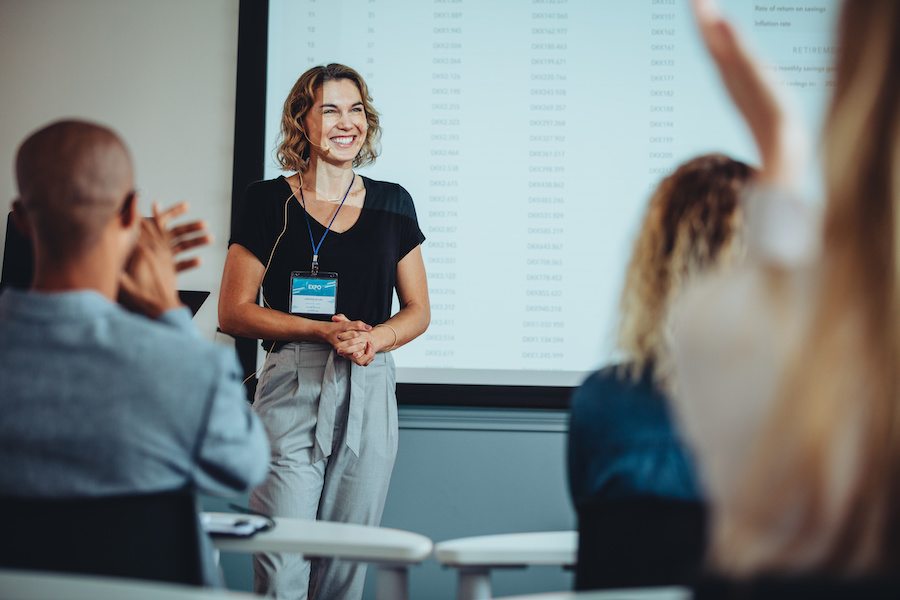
(353,340)
(147,284)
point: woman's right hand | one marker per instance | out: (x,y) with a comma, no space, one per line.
(347,338)
(780,137)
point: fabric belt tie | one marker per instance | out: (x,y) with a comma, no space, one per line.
(328,403)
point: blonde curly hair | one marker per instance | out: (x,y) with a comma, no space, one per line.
(293,148)
(690,225)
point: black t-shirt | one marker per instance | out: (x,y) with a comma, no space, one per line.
(365,256)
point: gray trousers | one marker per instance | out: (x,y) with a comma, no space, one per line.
(333,429)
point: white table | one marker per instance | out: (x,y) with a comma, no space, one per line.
(40,585)
(658,593)
(392,551)
(474,557)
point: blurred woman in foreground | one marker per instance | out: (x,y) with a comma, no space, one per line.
(802,457)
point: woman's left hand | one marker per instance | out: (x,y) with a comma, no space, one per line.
(358,346)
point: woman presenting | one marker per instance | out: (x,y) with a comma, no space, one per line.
(328,247)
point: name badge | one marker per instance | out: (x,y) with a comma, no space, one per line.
(313,294)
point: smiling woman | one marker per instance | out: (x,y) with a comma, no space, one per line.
(329,249)
(295,146)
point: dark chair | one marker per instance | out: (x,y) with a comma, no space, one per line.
(639,542)
(18,258)
(145,536)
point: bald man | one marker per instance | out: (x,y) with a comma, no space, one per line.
(97,399)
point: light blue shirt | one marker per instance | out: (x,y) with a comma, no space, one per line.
(95,400)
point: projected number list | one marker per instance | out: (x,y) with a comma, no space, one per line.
(530,135)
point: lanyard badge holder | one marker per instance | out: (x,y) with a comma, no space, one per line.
(312,292)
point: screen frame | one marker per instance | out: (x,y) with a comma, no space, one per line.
(249,161)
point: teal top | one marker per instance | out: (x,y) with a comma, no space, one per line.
(623,442)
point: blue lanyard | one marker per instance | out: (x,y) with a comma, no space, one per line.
(315,247)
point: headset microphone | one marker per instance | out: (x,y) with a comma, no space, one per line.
(324,149)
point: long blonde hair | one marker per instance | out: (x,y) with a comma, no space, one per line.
(821,491)
(690,225)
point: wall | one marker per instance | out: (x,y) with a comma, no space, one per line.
(161,73)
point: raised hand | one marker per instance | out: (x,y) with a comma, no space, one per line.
(780,137)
